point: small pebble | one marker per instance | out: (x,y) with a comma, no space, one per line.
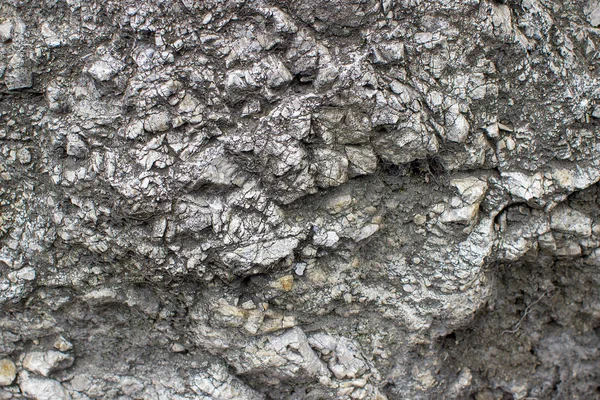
(419,219)
(177,348)
(24,156)
(300,268)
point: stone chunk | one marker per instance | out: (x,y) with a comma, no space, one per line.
(592,11)
(593,258)
(41,388)
(326,238)
(24,156)
(526,187)
(332,168)
(457,126)
(262,253)
(365,232)
(302,353)
(284,283)
(389,52)
(177,348)
(349,363)
(567,220)
(337,204)
(404,145)
(501,19)
(46,363)
(464,214)
(157,122)
(352,128)
(50,37)
(278,75)
(62,344)
(569,250)
(18,73)
(6,31)
(363,160)
(76,147)
(217,383)
(472,190)
(8,372)
(105,69)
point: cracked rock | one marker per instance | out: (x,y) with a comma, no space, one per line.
(41,388)
(48,362)
(404,145)
(18,73)
(327,199)
(565,219)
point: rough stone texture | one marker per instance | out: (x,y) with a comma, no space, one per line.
(252,199)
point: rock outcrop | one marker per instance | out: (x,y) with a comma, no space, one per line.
(250,199)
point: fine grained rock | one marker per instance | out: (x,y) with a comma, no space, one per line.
(8,372)
(319,199)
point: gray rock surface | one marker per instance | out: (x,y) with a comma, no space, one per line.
(250,199)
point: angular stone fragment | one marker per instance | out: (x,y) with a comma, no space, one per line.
(18,73)
(457,127)
(278,75)
(293,345)
(262,253)
(388,52)
(44,363)
(50,37)
(76,147)
(338,203)
(157,122)
(6,31)
(365,232)
(341,126)
(568,250)
(501,19)
(592,11)
(24,156)
(105,68)
(326,238)
(284,283)
(526,187)
(62,344)
(593,258)
(216,382)
(464,214)
(567,220)
(471,189)
(332,167)
(404,145)
(41,388)
(363,160)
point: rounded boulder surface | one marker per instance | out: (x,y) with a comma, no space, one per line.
(8,372)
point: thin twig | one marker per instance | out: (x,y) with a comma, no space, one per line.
(526,312)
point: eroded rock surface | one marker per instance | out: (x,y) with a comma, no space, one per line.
(352,199)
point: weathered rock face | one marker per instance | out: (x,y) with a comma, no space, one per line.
(361,199)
